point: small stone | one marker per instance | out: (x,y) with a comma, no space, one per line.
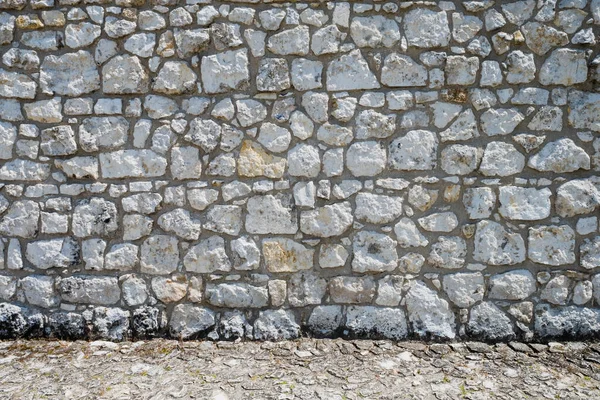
(448,252)
(113,72)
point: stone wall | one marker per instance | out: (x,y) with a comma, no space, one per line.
(400,169)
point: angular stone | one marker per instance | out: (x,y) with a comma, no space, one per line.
(400,70)
(95,216)
(271,215)
(584,110)
(500,121)
(24,170)
(376,323)
(501,159)
(8,136)
(285,255)
(306,289)
(417,150)
(327,40)
(426,28)
(85,289)
(371,124)
(307,74)
(496,246)
(81,35)
(226,71)
(350,72)
(224,219)
(132,164)
(460,160)
(327,221)
(138,80)
(122,257)
(191,41)
(352,290)
(324,321)
(512,285)
(408,234)
(53,253)
(253,161)
(273,75)
(15,85)
(159,255)
(292,41)
(208,256)
(579,196)
(448,252)
(71,74)
(488,322)
(564,67)
(560,156)
(374,252)
(520,67)
(541,38)
(464,289)
(103,133)
(276,325)
(237,295)
(524,204)
(566,322)
(181,223)
(189,321)
(377,209)
(590,253)
(174,78)
(375,31)
(245,254)
(429,315)
(552,245)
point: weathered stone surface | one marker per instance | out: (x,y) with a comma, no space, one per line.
(53,253)
(376,323)
(352,290)
(374,252)
(285,255)
(330,220)
(428,314)
(448,252)
(350,72)
(496,246)
(71,74)
(488,322)
(464,289)
(189,321)
(552,245)
(276,325)
(130,66)
(159,255)
(559,157)
(426,28)
(236,295)
(132,164)
(208,256)
(566,322)
(85,289)
(512,285)
(525,204)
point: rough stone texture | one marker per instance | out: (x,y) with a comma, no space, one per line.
(257,169)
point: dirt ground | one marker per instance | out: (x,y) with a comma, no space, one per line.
(303,369)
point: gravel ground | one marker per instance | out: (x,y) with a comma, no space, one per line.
(304,369)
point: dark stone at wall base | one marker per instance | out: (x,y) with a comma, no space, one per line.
(16,322)
(145,322)
(66,325)
(569,322)
(488,322)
